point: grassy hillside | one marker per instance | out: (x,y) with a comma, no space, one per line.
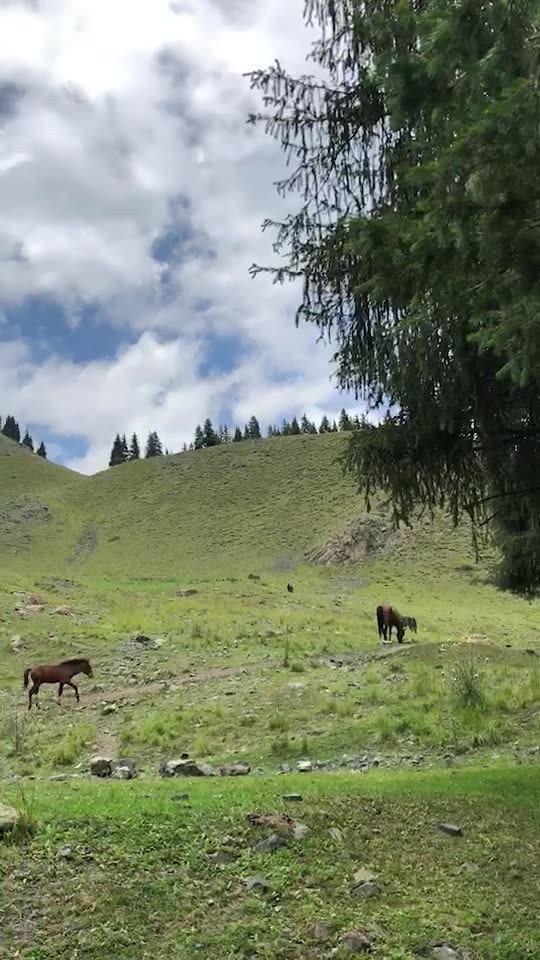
(23,473)
(195,513)
(242,670)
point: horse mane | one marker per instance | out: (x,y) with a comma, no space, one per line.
(73,662)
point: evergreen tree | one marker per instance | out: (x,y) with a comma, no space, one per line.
(42,450)
(285,429)
(28,442)
(134,449)
(295,427)
(199,438)
(254,429)
(237,435)
(124,449)
(224,434)
(184,448)
(245,435)
(211,439)
(270,430)
(116,456)
(325,425)
(345,422)
(334,427)
(11,429)
(153,446)
(433,113)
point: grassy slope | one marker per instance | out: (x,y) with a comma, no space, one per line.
(23,473)
(132,869)
(243,673)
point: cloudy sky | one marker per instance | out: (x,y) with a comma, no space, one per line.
(132,194)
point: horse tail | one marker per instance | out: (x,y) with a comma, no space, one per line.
(27,673)
(380,620)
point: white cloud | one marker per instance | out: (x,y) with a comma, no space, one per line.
(129,106)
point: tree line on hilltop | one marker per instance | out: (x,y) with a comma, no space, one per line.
(208,436)
(11,429)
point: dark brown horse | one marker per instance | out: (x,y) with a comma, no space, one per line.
(60,673)
(388,617)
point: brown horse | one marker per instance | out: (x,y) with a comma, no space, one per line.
(388,617)
(60,673)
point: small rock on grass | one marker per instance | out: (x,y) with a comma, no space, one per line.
(366,890)
(321,933)
(442,950)
(364,876)
(293,797)
(180,796)
(257,883)
(304,766)
(9,818)
(65,852)
(221,856)
(270,844)
(101,766)
(357,942)
(235,770)
(450,829)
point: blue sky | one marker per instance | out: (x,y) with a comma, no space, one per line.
(132,193)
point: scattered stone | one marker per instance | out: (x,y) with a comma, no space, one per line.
(253,576)
(221,856)
(141,641)
(336,834)
(101,766)
(34,600)
(186,768)
(442,950)
(9,818)
(450,829)
(179,796)
(296,685)
(321,933)
(16,643)
(531,652)
(304,766)
(293,797)
(64,612)
(364,876)
(190,592)
(108,709)
(357,942)
(470,869)
(235,770)
(270,844)
(366,890)
(257,883)
(300,831)
(122,773)
(65,852)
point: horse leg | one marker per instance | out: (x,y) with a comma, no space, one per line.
(33,692)
(400,632)
(60,691)
(73,687)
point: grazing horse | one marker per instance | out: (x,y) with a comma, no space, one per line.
(60,673)
(388,617)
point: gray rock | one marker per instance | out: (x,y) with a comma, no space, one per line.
(180,796)
(257,883)
(128,766)
(109,709)
(321,933)
(101,766)
(442,950)
(221,856)
(122,773)
(366,890)
(65,852)
(355,941)
(293,797)
(304,766)
(235,770)
(9,818)
(58,777)
(16,642)
(189,592)
(186,768)
(450,829)
(270,844)
(300,831)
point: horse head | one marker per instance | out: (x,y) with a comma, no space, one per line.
(86,668)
